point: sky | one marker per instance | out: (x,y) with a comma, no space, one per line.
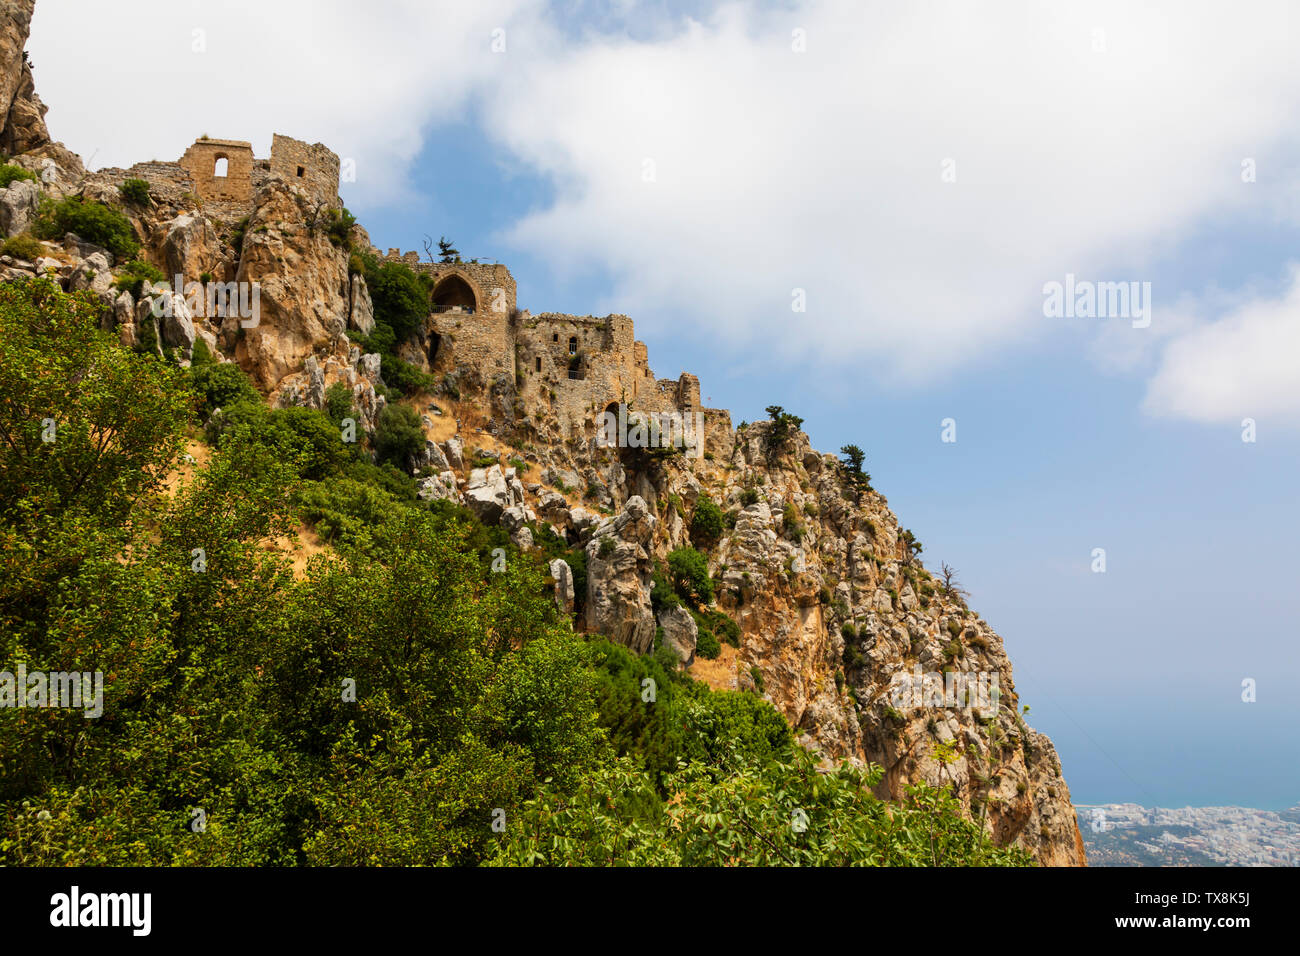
(863,212)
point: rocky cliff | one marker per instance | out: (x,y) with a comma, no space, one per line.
(832,605)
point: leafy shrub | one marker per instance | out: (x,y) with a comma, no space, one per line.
(707,645)
(749,496)
(790,522)
(237,235)
(338,227)
(606,546)
(136,191)
(135,274)
(398,435)
(303,438)
(22,247)
(706,523)
(12,172)
(404,376)
(338,403)
(201,355)
(399,294)
(91,221)
(690,575)
(219,386)
(344,508)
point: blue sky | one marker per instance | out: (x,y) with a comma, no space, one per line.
(1088,139)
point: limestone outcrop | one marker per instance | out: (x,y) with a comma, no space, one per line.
(619,574)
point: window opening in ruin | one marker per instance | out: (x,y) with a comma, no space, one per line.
(221,168)
(301,171)
(575,367)
(453,292)
(573,345)
(555,337)
(539,363)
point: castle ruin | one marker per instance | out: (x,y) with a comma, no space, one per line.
(575,366)
(225,174)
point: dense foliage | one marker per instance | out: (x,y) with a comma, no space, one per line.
(91,221)
(403,698)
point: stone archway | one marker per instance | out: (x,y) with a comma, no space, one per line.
(454,292)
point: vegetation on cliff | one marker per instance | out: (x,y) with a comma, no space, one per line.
(403,699)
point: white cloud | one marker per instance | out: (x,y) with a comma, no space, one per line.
(1241,366)
(367,79)
(821,170)
(774,170)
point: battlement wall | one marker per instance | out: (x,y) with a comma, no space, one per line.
(313,166)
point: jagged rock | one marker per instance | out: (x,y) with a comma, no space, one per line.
(93,274)
(581,520)
(455,453)
(431,457)
(177,324)
(369,366)
(22,110)
(515,517)
(18,205)
(552,506)
(79,248)
(189,248)
(300,274)
(562,574)
(522,537)
(680,633)
(361,312)
(562,477)
(315,390)
(619,575)
(487,494)
(440,487)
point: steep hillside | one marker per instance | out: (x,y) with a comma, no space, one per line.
(802,568)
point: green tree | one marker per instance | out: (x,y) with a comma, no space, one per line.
(706,523)
(690,575)
(398,435)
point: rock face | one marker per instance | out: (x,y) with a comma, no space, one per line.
(562,574)
(23,112)
(18,206)
(619,573)
(487,494)
(680,633)
(303,283)
(189,248)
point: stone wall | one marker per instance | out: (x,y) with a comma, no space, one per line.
(312,166)
(200,161)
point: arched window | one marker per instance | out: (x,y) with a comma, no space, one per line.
(573,345)
(453,292)
(221,168)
